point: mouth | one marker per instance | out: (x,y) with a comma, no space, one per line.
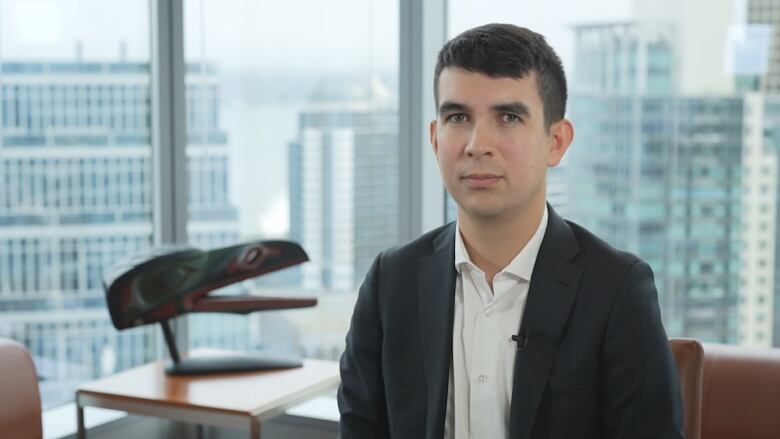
(481,180)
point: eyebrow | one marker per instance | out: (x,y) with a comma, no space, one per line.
(447,107)
(517,108)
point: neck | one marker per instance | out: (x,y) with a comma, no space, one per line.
(493,242)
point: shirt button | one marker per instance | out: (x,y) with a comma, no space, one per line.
(487,312)
(482,379)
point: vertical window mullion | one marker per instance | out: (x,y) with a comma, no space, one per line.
(169,132)
(421,193)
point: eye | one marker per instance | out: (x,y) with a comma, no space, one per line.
(510,118)
(174,277)
(456,118)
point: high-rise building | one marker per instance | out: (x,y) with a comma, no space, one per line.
(660,176)
(343,182)
(767,12)
(765,145)
(699,44)
(759,218)
(676,170)
(76,196)
(624,58)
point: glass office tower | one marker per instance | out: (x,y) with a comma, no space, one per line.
(343,181)
(75,197)
(673,171)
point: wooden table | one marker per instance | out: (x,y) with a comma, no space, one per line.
(235,400)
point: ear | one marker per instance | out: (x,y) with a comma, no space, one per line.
(432,133)
(560,137)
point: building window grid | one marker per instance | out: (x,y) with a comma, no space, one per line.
(45,110)
(5,269)
(12,106)
(63,104)
(122,176)
(67,185)
(24,189)
(71,107)
(22,102)
(13,199)
(213,180)
(79,106)
(55,103)
(115,108)
(16,265)
(84,106)
(112,191)
(144,108)
(33,108)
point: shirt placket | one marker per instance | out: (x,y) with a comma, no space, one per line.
(482,356)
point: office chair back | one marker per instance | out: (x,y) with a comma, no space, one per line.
(740,393)
(20,402)
(689,355)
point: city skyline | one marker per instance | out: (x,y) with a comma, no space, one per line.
(76,197)
(682,172)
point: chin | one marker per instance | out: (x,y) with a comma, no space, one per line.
(482,211)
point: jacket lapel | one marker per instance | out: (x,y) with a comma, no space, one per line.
(436,302)
(554,284)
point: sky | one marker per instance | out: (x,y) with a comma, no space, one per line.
(258,35)
(551,18)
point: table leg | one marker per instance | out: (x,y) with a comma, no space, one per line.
(254,429)
(80,430)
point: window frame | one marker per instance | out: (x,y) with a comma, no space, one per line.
(422,32)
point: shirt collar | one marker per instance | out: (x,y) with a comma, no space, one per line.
(461,255)
(523,263)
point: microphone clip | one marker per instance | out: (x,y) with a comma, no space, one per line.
(521,340)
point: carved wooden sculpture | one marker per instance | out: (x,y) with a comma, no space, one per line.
(168,282)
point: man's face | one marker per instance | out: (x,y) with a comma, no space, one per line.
(492,145)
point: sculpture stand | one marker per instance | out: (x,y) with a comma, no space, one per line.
(222,363)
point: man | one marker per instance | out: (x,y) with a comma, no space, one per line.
(510,322)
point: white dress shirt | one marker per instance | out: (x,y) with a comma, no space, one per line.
(483,352)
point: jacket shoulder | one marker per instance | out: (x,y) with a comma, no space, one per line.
(421,246)
(595,249)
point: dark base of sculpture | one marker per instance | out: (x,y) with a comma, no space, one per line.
(225,364)
(212,364)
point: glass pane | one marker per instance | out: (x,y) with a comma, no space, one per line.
(675,152)
(293,134)
(75,181)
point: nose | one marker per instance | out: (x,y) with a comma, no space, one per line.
(480,142)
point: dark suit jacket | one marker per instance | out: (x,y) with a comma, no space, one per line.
(595,363)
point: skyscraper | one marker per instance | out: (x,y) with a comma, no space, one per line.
(76,196)
(343,181)
(765,146)
(768,12)
(666,167)
(661,177)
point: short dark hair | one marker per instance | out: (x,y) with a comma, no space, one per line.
(505,50)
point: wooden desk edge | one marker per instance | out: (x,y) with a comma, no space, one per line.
(187,412)
(190,414)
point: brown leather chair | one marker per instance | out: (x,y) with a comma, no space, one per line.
(740,393)
(20,402)
(689,356)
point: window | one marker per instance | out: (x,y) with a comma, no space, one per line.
(293,134)
(75,182)
(701,167)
